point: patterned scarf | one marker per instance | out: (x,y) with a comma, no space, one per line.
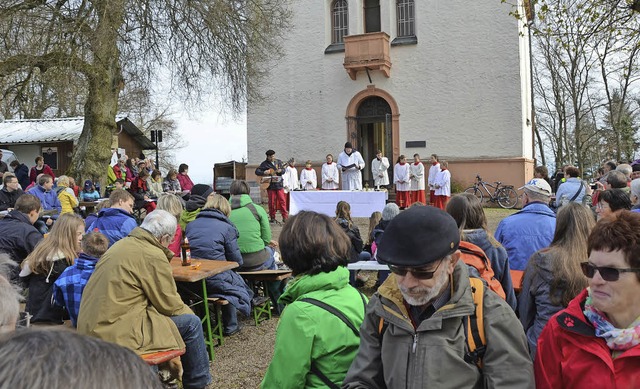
(617,339)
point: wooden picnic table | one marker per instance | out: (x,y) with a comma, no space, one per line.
(192,273)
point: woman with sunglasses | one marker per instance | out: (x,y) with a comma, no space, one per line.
(595,341)
(553,276)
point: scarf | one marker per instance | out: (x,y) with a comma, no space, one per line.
(617,339)
(434,163)
(417,163)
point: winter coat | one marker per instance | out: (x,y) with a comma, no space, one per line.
(568,189)
(354,236)
(89,196)
(46,169)
(191,210)
(432,355)
(254,234)
(276,181)
(309,334)
(8,199)
(499,261)
(525,232)
(169,185)
(534,303)
(22,174)
(18,238)
(571,356)
(40,298)
(131,296)
(68,200)
(68,288)
(49,200)
(185,181)
(212,236)
(115,223)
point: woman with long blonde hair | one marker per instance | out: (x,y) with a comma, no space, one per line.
(46,262)
(553,276)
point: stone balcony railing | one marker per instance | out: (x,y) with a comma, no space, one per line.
(367,51)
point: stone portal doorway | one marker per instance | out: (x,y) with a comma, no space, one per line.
(374,133)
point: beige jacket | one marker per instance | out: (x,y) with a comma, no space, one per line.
(131,295)
(433,355)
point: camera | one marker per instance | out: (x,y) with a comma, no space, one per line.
(594,186)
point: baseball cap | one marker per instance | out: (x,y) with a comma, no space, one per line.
(538,185)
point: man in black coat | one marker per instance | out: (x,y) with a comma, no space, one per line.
(9,193)
(273,169)
(22,173)
(18,236)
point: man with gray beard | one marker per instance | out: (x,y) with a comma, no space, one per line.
(414,332)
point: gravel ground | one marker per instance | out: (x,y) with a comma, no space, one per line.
(243,359)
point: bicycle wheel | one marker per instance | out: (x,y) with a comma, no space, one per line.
(474,190)
(507,198)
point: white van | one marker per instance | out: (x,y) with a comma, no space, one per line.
(7,157)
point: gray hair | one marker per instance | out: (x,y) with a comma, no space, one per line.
(390,211)
(160,223)
(535,196)
(10,296)
(626,169)
(635,189)
(617,179)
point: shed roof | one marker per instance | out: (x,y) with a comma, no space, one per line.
(21,131)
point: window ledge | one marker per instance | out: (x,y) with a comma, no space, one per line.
(405,40)
(334,48)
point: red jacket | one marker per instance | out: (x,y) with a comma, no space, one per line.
(46,169)
(185,181)
(571,356)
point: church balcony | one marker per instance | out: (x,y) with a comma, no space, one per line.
(367,52)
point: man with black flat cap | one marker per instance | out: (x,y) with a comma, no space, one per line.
(414,336)
(274,169)
(351,163)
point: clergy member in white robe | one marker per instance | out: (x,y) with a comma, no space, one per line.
(308,178)
(351,163)
(290,180)
(402,181)
(417,180)
(433,170)
(443,186)
(379,170)
(330,174)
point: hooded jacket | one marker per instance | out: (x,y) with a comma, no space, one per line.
(213,237)
(18,238)
(526,232)
(131,296)
(307,333)
(432,355)
(254,234)
(115,223)
(571,356)
(68,288)
(499,261)
(191,210)
(39,301)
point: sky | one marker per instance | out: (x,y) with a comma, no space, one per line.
(210,138)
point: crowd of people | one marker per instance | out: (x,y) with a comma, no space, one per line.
(447,313)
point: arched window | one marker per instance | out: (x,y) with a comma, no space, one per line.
(339,21)
(406,17)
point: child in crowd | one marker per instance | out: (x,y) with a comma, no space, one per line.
(44,265)
(401,177)
(68,288)
(89,192)
(417,180)
(290,180)
(308,178)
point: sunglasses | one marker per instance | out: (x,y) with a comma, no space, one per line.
(607,273)
(415,272)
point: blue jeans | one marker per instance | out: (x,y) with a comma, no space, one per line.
(229,318)
(195,360)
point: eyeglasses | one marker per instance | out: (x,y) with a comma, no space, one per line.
(607,273)
(416,272)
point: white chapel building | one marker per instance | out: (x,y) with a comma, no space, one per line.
(449,77)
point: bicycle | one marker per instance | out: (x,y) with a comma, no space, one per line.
(504,195)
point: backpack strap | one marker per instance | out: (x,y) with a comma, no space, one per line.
(336,312)
(575,196)
(474,325)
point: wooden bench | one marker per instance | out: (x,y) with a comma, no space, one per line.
(154,359)
(168,363)
(258,280)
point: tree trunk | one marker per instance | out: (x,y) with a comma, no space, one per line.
(93,151)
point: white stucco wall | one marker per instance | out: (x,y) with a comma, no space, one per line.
(459,88)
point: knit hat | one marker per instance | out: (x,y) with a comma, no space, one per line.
(201,190)
(418,236)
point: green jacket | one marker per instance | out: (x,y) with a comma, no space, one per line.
(131,295)
(433,354)
(187,217)
(309,333)
(254,235)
